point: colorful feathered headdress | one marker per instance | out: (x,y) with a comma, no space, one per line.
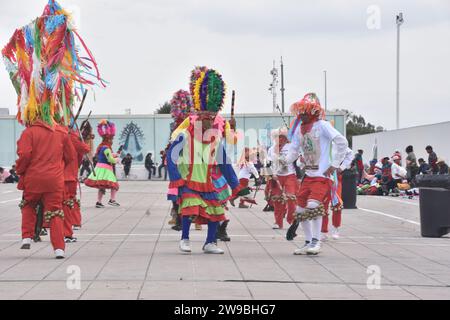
(181,105)
(207,90)
(106,128)
(309,105)
(45,67)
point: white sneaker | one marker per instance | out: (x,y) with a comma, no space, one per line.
(212,248)
(275,227)
(26,244)
(335,233)
(323,236)
(302,250)
(185,245)
(314,247)
(59,254)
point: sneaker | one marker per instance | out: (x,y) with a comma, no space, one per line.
(76,228)
(59,254)
(70,239)
(26,244)
(275,226)
(323,236)
(243,206)
(302,250)
(314,247)
(185,246)
(99,205)
(291,233)
(113,203)
(211,248)
(44,232)
(335,233)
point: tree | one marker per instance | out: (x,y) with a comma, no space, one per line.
(356,125)
(164,109)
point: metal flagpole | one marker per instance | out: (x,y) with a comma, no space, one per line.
(399,21)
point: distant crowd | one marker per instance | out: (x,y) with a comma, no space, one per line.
(392,175)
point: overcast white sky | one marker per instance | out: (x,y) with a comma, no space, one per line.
(146,50)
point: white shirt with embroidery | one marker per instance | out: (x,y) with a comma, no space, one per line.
(315,147)
(278,168)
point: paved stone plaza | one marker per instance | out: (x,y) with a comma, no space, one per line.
(131,253)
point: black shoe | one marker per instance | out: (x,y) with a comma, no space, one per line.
(222,232)
(99,205)
(37,239)
(113,203)
(70,239)
(44,232)
(266,208)
(290,234)
(177,228)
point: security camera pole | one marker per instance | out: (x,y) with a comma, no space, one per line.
(399,23)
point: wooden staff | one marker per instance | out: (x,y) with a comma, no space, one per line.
(79,109)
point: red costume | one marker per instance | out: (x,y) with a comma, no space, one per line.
(71,206)
(42,155)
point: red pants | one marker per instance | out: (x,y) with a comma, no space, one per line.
(52,202)
(337,214)
(317,189)
(72,216)
(268,192)
(245,190)
(286,204)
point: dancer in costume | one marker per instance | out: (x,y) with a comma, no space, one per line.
(197,160)
(284,179)
(71,205)
(181,107)
(336,197)
(47,73)
(103,176)
(246,170)
(313,140)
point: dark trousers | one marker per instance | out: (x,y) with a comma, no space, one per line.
(127,170)
(85,169)
(151,170)
(161,166)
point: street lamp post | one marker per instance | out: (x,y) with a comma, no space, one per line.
(399,21)
(282,85)
(325,73)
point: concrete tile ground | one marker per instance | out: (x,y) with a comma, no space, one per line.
(130,252)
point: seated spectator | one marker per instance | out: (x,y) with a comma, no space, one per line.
(387,181)
(4,174)
(443,167)
(424,168)
(372,167)
(150,165)
(13,178)
(398,172)
(127,164)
